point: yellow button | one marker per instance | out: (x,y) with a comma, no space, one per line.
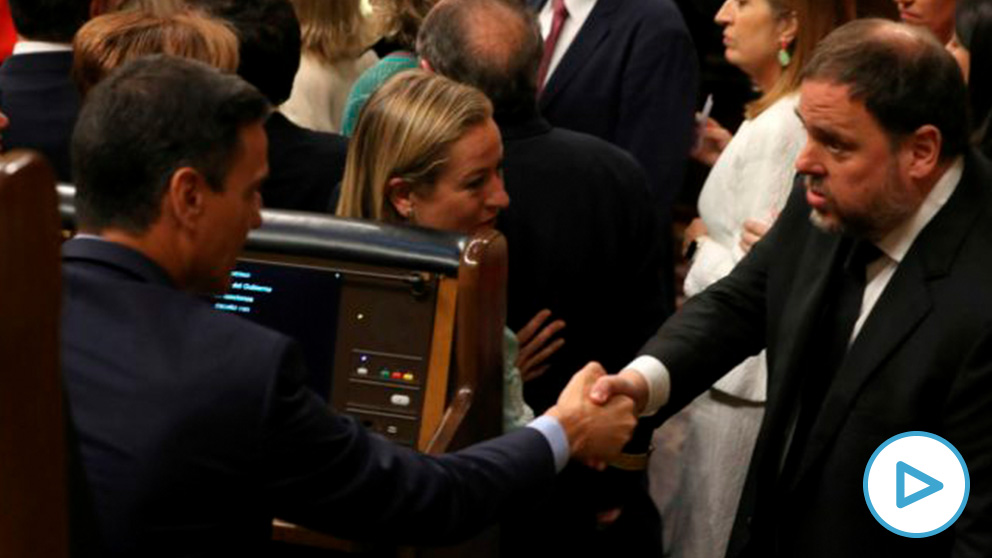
(408,377)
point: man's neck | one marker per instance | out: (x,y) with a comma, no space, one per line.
(148,244)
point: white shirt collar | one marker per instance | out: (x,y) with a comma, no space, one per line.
(35,47)
(579,9)
(897,243)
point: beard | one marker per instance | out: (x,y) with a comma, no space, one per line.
(892,205)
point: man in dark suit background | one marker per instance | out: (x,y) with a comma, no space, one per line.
(625,71)
(861,347)
(305,165)
(582,235)
(36,92)
(194,425)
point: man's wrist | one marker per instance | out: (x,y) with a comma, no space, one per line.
(656,377)
(551,428)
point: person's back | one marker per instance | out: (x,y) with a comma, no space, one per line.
(305,165)
(174,426)
(36,91)
(584,244)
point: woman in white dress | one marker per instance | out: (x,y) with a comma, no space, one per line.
(337,36)
(699,469)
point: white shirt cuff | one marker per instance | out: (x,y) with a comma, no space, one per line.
(658,379)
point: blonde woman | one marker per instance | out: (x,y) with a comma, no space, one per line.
(427,152)
(337,36)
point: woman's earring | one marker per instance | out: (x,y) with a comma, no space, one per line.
(784,58)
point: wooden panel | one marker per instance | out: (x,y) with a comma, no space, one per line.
(33,516)
(437,379)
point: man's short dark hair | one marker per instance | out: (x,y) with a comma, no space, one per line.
(904,77)
(503,63)
(49,20)
(269,34)
(146,120)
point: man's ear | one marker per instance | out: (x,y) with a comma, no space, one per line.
(400,196)
(922,149)
(425,65)
(185,197)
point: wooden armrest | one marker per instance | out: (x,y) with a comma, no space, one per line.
(454,415)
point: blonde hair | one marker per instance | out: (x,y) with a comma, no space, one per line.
(405,130)
(815,19)
(110,40)
(401,20)
(334,30)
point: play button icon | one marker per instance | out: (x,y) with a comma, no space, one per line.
(916,484)
(931,485)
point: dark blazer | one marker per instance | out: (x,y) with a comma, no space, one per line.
(196,430)
(42,102)
(922,361)
(305,166)
(583,242)
(630,77)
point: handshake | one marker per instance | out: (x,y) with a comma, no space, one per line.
(598,414)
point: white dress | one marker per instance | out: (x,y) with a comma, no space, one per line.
(702,454)
(320,91)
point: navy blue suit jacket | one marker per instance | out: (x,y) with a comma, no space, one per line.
(195,430)
(583,242)
(305,166)
(42,102)
(630,77)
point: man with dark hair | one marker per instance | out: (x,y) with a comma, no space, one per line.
(871,295)
(36,91)
(195,427)
(305,165)
(583,241)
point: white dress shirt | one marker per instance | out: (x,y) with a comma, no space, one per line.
(578,13)
(35,47)
(894,246)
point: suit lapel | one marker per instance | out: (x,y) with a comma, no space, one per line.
(904,303)
(799,317)
(594,31)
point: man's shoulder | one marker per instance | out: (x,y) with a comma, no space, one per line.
(283,132)
(105,301)
(659,15)
(58,64)
(586,155)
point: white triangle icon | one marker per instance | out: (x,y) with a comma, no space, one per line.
(914,485)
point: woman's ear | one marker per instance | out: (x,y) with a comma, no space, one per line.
(400,196)
(789,28)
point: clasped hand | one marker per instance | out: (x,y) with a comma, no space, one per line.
(596,432)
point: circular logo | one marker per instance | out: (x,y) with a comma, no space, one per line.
(916,484)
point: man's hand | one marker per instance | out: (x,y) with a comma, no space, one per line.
(596,432)
(628,382)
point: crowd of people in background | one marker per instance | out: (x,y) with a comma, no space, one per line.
(572,127)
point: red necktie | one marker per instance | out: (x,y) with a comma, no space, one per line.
(560,14)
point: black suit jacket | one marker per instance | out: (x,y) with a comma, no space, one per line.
(305,166)
(42,102)
(584,243)
(630,77)
(195,430)
(922,361)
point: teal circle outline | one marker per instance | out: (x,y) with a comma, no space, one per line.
(948,445)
